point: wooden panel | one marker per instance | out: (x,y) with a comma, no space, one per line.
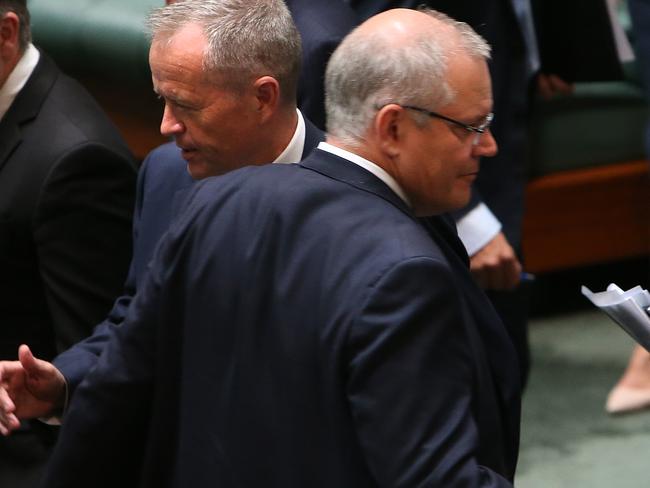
(588,216)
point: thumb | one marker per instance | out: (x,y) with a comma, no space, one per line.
(32,365)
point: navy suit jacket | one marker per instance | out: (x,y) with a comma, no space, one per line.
(299,327)
(162,182)
(322,26)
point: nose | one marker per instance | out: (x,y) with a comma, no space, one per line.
(169,125)
(487,145)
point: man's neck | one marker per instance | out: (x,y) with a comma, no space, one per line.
(281,130)
(8,65)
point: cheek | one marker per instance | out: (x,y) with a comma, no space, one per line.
(204,131)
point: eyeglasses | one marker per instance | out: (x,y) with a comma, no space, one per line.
(478,130)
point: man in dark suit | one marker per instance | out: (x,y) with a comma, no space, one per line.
(490,225)
(305,325)
(67,184)
(263,126)
(322,26)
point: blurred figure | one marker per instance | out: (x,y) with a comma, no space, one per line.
(322,26)
(632,392)
(640,15)
(284,337)
(67,182)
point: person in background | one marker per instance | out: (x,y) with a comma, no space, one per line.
(322,26)
(632,392)
(67,186)
(317,324)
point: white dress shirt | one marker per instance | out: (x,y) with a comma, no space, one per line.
(17,78)
(367,165)
(293,152)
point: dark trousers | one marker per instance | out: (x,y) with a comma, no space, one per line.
(512,307)
(24,455)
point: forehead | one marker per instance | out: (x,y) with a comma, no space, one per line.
(469,78)
(178,56)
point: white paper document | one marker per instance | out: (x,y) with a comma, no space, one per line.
(630,309)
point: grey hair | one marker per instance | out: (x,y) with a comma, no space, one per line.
(245,38)
(19,7)
(367,72)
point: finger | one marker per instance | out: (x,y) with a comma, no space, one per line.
(8,372)
(544,87)
(25,356)
(6,403)
(8,420)
(559,85)
(8,423)
(33,366)
(496,278)
(480,276)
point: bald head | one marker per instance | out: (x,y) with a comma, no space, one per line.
(404,26)
(399,56)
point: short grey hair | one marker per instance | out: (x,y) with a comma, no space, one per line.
(245,38)
(19,7)
(367,72)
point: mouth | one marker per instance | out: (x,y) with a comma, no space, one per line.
(187,152)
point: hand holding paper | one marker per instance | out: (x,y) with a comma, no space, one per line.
(629,309)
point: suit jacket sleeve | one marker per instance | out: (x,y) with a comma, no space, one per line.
(410,381)
(113,404)
(82,232)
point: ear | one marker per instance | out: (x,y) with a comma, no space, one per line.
(267,95)
(9,27)
(390,124)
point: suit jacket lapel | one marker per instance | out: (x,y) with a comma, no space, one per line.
(26,106)
(9,140)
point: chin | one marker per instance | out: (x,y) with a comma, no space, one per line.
(197,170)
(458,199)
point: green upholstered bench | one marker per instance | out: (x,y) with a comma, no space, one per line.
(588,196)
(588,189)
(103,44)
(600,123)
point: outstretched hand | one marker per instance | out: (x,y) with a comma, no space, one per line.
(29,388)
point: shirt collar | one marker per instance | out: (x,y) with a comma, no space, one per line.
(376,170)
(17,78)
(293,152)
